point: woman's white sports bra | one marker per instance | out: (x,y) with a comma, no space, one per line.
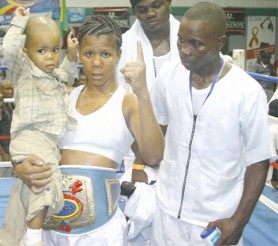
(102,132)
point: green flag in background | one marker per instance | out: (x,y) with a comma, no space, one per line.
(63,18)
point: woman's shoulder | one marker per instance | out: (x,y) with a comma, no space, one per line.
(129,103)
(74,92)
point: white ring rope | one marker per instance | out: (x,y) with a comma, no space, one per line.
(8,100)
(5,164)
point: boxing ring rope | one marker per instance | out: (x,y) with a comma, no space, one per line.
(5,164)
(263,77)
(3,68)
(256,76)
(266,78)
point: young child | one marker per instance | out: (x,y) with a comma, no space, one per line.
(31,50)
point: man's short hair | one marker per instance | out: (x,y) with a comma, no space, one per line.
(134,2)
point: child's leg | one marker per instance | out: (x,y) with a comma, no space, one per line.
(34,232)
(37,221)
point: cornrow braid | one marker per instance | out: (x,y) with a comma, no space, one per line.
(100,25)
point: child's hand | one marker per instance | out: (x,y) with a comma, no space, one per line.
(72,51)
(20,11)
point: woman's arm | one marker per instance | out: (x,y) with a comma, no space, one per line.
(139,111)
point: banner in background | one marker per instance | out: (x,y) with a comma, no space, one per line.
(7,7)
(63,19)
(120,15)
(260,37)
(235,20)
(74,15)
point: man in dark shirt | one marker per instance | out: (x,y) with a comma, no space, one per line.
(263,66)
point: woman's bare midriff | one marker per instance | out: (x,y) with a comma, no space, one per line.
(75,157)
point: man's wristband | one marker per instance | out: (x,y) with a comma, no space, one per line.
(138,167)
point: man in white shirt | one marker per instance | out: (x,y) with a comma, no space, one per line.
(217,143)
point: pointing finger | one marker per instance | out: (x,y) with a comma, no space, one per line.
(140,55)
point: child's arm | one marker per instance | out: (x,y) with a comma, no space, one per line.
(13,44)
(72,49)
(69,64)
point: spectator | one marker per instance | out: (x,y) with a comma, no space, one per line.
(217,143)
(2,72)
(275,65)
(81,79)
(273,125)
(7,91)
(264,66)
(5,126)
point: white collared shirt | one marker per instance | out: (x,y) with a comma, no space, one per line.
(231,132)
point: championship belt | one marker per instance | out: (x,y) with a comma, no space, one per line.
(91,199)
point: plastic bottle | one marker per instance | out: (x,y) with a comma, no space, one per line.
(211,236)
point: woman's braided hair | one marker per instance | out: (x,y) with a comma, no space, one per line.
(100,25)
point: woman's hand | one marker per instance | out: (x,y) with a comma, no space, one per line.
(33,173)
(135,73)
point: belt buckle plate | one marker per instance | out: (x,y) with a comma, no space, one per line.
(79,208)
